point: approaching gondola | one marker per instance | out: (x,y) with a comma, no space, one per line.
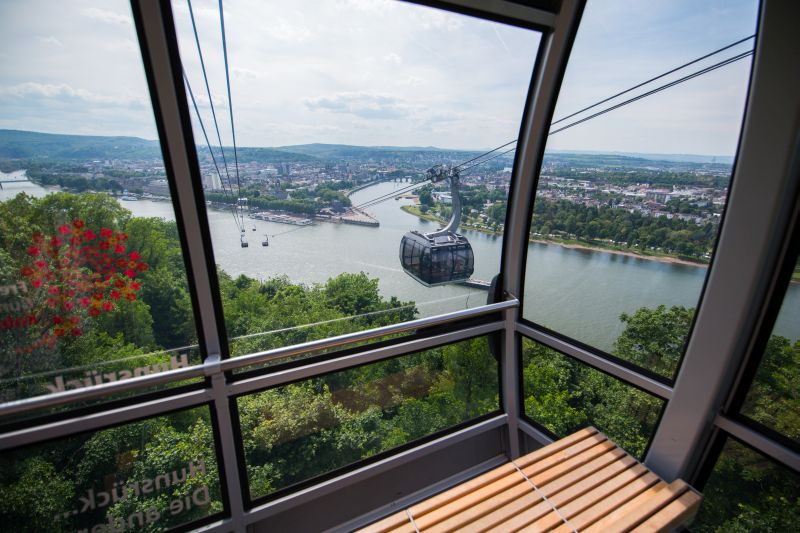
(442,256)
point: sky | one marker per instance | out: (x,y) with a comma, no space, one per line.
(378,72)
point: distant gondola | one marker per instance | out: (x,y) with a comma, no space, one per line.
(265,242)
(243,242)
(442,256)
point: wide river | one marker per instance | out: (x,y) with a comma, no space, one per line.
(577,292)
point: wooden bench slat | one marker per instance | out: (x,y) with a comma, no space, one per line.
(389,523)
(581,496)
(556,447)
(584,475)
(458,491)
(567,466)
(466,520)
(523,519)
(610,501)
(560,456)
(631,514)
(434,516)
(673,515)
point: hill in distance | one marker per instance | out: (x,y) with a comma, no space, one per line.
(18,144)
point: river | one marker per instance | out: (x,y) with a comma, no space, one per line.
(577,292)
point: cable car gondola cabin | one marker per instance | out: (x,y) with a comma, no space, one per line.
(436,259)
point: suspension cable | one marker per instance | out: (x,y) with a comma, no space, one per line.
(208,144)
(230,105)
(208,91)
(638,85)
(656,90)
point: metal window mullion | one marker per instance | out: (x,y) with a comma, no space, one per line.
(376,355)
(624,374)
(760,442)
(503,10)
(747,256)
(97,421)
(554,49)
(160,50)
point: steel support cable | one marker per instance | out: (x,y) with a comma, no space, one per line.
(208,144)
(392,194)
(230,105)
(656,90)
(637,86)
(488,159)
(484,154)
(642,84)
(208,91)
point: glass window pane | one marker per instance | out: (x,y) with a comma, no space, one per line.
(337,105)
(774,396)
(297,432)
(145,476)
(748,492)
(628,202)
(92,282)
(564,395)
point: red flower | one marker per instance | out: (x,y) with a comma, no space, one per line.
(119,249)
(75,319)
(122,237)
(69,305)
(105,232)
(89,235)
(52,289)
(130,296)
(63,229)
(76,332)
(59,331)
(142,267)
(118,283)
(55,242)
(104,245)
(27,271)
(36,283)
(34,251)
(136,286)
(134,255)
(130,273)
(108,306)
(78,223)
(94,311)
(115,294)
(41,265)
(57,320)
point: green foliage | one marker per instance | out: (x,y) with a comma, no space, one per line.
(654,338)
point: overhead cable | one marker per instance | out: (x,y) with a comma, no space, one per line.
(642,84)
(208,144)
(230,103)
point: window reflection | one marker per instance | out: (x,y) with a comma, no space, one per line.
(145,476)
(300,431)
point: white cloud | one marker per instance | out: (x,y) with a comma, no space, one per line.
(105,15)
(283,30)
(393,58)
(362,104)
(66,93)
(50,39)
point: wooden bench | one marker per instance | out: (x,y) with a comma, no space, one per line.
(583,482)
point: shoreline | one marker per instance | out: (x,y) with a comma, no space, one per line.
(576,246)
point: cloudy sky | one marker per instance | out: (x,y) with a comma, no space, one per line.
(377,72)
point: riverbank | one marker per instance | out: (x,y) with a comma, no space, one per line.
(574,245)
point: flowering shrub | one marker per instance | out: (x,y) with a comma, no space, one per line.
(81,274)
